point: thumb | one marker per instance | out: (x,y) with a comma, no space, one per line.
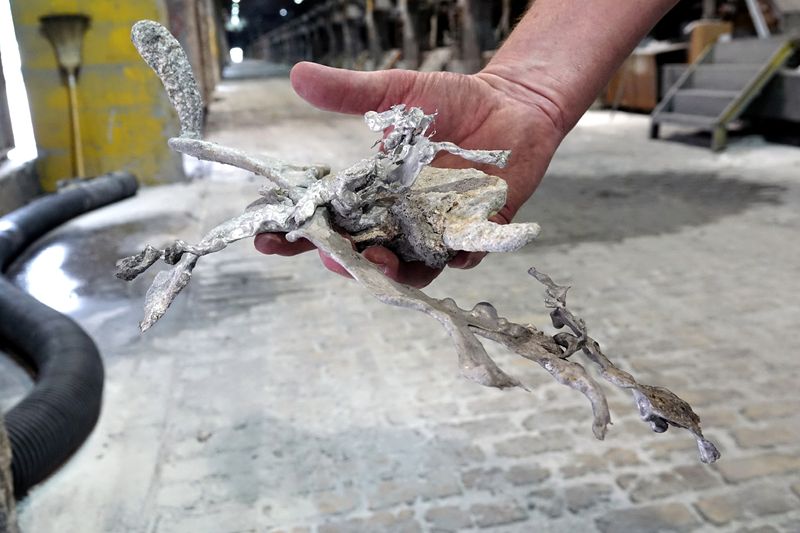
(349,91)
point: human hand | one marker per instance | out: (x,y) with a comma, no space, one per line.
(481,111)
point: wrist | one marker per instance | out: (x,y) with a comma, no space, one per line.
(537,95)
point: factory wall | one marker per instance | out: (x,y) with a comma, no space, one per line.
(125,115)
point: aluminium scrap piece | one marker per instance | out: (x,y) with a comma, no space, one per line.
(424,214)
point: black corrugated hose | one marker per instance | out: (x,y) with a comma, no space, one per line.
(61,410)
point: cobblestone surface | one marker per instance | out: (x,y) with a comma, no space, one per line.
(278,397)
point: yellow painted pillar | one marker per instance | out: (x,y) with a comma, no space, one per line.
(125,115)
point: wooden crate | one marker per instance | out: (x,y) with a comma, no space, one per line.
(636,84)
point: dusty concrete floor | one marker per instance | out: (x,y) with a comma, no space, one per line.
(278,397)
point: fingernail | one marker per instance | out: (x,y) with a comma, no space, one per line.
(265,242)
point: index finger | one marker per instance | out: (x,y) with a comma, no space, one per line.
(276,244)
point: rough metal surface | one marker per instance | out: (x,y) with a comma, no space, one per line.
(8,516)
(361,199)
(371,197)
(162,52)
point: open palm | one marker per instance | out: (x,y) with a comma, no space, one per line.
(481,111)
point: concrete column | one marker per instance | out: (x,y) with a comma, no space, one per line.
(709,9)
(308,44)
(8,517)
(334,50)
(434,28)
(504,26)
(469,45)
(286,48)
(315,36)
(296,40)
(209,51)
(410,44)
(348,46)
(274,49)
(355,19)
(373,41)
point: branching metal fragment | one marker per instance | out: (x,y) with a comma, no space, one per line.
(424,214)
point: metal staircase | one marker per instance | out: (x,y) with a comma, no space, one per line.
(717,88)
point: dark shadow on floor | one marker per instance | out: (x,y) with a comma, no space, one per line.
(612,208)
(772,131)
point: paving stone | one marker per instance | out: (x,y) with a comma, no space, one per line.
(230,517)
(391,493)
(582,464)
(336,502)
(759,466)
(497,514)
(650,519)
(546,502)
(503,402)
(747,501)
(760,529)
(769,410)
(400,522)
(441,485)
(622,457)
(707,396)
(492,479)
(583,497)
(469,455)
(491,426)
(721,418)
(626,481)
(790,525)
(655,486)
(697,476)
(767,436)
(527,475)
(548,418)
(526,445)
(667,447)
(449,518)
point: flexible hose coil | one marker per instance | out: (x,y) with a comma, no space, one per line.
(61,410)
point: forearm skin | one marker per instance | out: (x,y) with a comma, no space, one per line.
(563,52)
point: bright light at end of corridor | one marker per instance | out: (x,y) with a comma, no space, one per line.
(237,55)
(283,12)
(25,145)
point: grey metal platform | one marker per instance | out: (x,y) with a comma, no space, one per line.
(717,89)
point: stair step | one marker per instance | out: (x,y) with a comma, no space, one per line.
(786,7)
(741,51)
(704,102)
(725,77)
(682,118)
